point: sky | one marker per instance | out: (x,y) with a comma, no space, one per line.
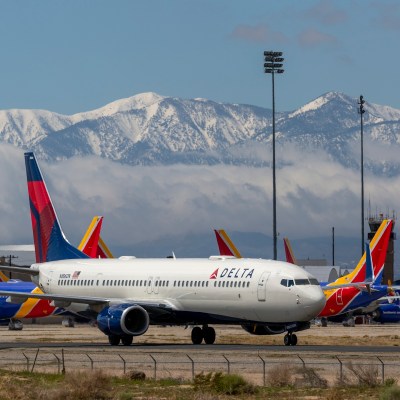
(74,56)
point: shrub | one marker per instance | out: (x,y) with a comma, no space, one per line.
(366,374)
(230,384)
(390,393)
(281,375)
(310,378)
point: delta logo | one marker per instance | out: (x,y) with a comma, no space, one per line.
(233,273)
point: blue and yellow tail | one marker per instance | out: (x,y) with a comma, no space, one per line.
(49,239)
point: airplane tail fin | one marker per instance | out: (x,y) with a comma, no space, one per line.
(376,254)
(50,241)
(92,244)
(225,244)
(3,277)
(369,270)
(290,258)
(90,240)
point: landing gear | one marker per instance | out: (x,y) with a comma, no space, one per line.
(15,325)
(114,340)
(127,340)
(207,333)
(290,339)
(197,335)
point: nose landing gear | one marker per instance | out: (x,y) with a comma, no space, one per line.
(205,333)
(290,339)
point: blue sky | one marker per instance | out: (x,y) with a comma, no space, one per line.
(72,56)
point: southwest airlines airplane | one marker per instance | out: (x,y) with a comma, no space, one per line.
(350,292)
(129,294)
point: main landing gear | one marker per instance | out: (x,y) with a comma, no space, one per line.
(205,333)
(290,339)
(115,339)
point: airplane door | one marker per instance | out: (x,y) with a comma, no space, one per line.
(339,297)
(149,284)
(156,284)
(262,286)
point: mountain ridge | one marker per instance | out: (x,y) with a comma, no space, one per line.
(150,129)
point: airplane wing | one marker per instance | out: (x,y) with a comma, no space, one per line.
(97,303)
(21,270)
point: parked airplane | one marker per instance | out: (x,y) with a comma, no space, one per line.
(350,292)
(129,294)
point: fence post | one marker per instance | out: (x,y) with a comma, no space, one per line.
(91,361)
(191,360)
(304,364)
(229,364)
(383,369)
(263,361)
(155,366)
(341,368)
(34,361)
(58,363)
(63,362)
(27,361)
(123,362)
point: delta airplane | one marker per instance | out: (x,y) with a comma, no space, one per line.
(353,291)
(129,294)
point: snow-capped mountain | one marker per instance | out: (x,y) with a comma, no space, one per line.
(151,129)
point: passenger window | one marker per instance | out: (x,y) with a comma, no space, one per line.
(248,284)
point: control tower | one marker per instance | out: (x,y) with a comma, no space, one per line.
(374,222)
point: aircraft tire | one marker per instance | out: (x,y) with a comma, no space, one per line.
(209,335)
(127,340)
(293,340)
(286,340)
(197,335)
(114,340)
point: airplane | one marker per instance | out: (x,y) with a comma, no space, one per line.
(350,292)
(38,308)
(127,294)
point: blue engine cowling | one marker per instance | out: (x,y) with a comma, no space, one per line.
(387,313)
(123,319)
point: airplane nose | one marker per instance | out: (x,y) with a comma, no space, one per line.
(315,302)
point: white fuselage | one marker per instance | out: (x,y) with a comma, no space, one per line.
(241,289)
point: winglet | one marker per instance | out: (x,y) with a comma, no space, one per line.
(49,239)
(225,244)
(290,258)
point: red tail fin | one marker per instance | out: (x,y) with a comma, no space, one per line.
(225,244)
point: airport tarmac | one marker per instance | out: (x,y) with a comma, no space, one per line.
(168,351)
(333,335)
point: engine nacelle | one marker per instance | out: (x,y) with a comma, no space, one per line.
(387,313)
(123,319)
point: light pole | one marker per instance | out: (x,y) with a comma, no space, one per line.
(361,111)
(273,65)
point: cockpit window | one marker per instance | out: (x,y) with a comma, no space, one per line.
(287,282)
(314,281)
(302,282)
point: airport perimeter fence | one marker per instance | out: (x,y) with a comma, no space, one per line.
(260,369)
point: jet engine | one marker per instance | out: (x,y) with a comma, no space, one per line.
(123,319)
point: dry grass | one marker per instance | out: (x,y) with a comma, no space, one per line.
(97,385)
